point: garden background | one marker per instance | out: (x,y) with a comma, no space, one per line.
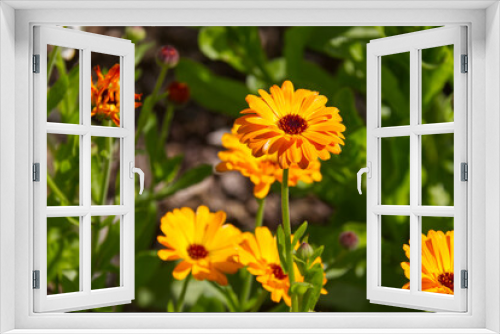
(179,132)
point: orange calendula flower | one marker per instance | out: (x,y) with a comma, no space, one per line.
(260,253)
(294,124)
(105,95)
(437,262)
(262,171)
(207,247)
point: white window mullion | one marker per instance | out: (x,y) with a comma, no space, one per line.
(415,271)
(86,229)
(127,242)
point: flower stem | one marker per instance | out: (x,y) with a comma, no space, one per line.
(149,102)
(50,65)
(247,284)
(259,218)
(230,302)
(260,300)
(165,127)
(107,168)
(285,211)
(180,302)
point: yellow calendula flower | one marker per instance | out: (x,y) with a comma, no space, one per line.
(206,245)
(262,171)
(259,253)
(105,95)
(295,124)
(437,262)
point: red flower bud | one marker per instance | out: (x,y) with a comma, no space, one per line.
(349,240)
(178,92)
(168,55)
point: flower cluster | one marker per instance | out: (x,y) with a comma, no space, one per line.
(262,171)
(281,137)
(105,95)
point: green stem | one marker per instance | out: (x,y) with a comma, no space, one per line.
(260,300)
(259,218)
(285,211)
(180,302)
(245,291)
(51,62)
(149,102)
(247,284)
(107,169)
(230,301)
(165,127)
(53,186)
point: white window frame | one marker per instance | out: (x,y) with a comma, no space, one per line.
(85,43)
(483,21)
(414,43)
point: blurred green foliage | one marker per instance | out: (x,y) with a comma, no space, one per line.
(331,60)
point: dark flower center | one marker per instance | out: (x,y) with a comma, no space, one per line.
(292,124)
(278,272)
(446,279)
(197,252)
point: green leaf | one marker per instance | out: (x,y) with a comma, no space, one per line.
(240,47)
(277,71)
(314,277)
(344,100)
(317,252)
(56,93)
(282,249)
(299,233)
(146,263)
(213,92)
(140,51)
(299,288)
(172,166)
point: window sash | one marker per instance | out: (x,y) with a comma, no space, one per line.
(86,43)
(413,43)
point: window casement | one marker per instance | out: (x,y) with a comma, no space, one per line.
(78,127)
(410,138)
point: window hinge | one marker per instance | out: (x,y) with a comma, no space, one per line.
(465,64)
(36,172)
(36,279)
(464,167)
(36,63)
(465,279)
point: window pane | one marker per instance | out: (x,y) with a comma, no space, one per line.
(105,252)
(395,171)
(395,76)
(63,85)
(63,255)
(395,233)
(63,170)
(105,90)
(437,255)
(437,169)
(437,84)
(105,170)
